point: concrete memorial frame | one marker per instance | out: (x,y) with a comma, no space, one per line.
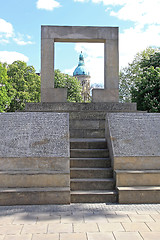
(106,35)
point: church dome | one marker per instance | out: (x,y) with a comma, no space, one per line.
(81,69)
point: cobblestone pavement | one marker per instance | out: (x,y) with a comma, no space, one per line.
(80,222)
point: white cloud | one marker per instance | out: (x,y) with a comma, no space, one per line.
(6,28)
(81,0)
(47,4)
(94,60)
(4,41)
(10,57)
(20,40)
(135,39)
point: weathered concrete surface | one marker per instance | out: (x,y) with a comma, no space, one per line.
(34,158)
(34,135)
(134,134)
(54,94)
(144,194)
(106,35)
(30,196)
(105,95)
(134,144)
(71,107)
(137,178)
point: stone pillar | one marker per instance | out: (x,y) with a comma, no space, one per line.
(110,93)
(48,92)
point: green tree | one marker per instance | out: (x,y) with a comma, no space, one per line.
(146,92)
(6,90)
(140,81)
(131,74)
(71,83)
(26,85)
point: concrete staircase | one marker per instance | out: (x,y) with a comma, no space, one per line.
(90,166)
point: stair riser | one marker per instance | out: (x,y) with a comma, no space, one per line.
(88,145)
(87,124)
(75,186)
(34,180)
(89,154)
(91,174)
(90,163)
(87,133)
(88,115)
(95,198)
(34,198)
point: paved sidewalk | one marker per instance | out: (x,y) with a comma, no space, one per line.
(80,222)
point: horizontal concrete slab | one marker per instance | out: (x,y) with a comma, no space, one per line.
(22,163)
(137,178)
(145,194)
(30,196)
(29,179)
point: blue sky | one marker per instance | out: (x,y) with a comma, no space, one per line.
(21,20)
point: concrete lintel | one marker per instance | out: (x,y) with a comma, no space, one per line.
(79,32)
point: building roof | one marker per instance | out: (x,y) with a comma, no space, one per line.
(81,68)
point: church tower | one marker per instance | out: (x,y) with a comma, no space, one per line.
(83,76)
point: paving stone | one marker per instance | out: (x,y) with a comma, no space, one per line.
(100,236)
(95,218)
(18,237)
(85,227)
(125,212)
(147,212)
(10,229)
(150,235)
(72,219)
(154,226)
(60,228)
(116,218)
(6,220)
(25,220)
(73,236)
(135,227)
(54,236)
(48,219)
(127,236)
(110,227)
(140,218)
(156,217)
(37,228)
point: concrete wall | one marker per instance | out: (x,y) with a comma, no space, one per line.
(107,35)
(134,144)
(35,153)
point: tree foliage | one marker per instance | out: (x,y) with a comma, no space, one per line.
(140,81)
(6,90)
(26,85)
(71,83)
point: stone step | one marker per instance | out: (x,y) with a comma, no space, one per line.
(128,178)
(87,115)
(91,173)
(90,162)
(86,124)
(89,153)
(137,194)
(87,133)
(34,196)
(92,184)
(94,196)
(88,143)
(25,179)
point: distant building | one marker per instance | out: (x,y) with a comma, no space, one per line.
(83,76)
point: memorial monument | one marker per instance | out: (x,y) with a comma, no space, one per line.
(57,152)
